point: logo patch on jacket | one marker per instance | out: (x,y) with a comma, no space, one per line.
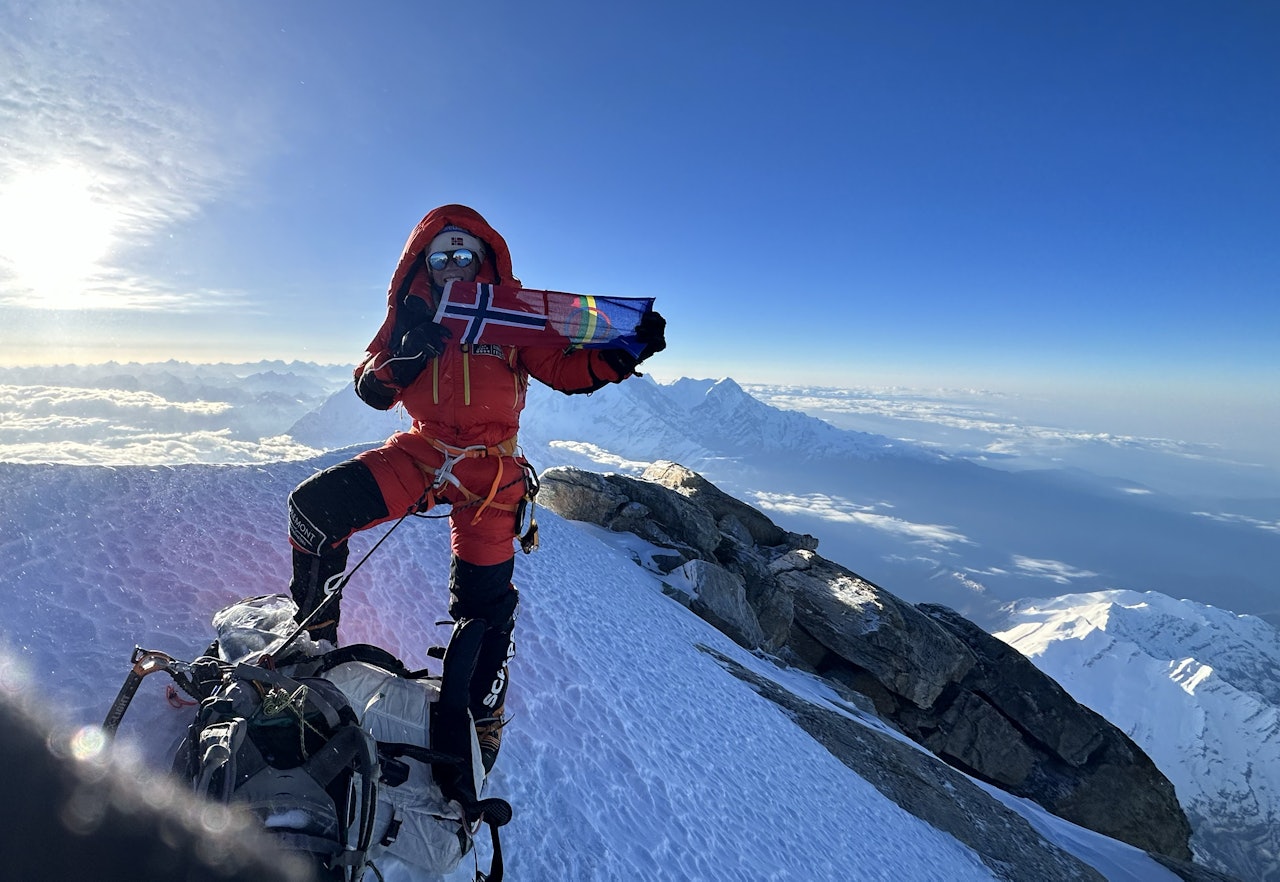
(488,349)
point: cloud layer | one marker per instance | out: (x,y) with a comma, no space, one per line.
(162,414)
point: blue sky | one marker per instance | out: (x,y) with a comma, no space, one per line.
(1080,198)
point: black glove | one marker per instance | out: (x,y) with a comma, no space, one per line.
(651,331)
(419,345)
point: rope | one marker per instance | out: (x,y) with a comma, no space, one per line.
(333,587)
(175,700)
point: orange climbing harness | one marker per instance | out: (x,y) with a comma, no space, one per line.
(443,474)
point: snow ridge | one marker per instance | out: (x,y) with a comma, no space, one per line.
(1195,687)
(725,411)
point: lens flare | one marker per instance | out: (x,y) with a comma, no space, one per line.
(88,743)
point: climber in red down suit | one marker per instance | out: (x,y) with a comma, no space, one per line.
(465,402)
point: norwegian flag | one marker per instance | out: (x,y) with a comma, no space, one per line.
(481,313)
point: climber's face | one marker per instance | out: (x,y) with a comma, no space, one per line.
(454,254)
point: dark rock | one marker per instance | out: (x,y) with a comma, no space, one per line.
(580,495)
(1010,682)
(933,675)
(860,622)
(1086,769)
(719,598)
(771,600)
(698,489)
(624,504)
(973,735)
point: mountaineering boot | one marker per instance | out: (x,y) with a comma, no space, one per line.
(489,732)
(311,573)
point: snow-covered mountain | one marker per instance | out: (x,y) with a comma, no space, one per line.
(1196,687)
(633,751)
(932,527)
(928,526)
(695,422)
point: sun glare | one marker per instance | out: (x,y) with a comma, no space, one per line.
(53,234)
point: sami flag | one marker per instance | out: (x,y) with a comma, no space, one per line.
(481,313)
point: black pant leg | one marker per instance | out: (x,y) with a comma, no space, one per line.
(331,505)
(486,593)
(323,511)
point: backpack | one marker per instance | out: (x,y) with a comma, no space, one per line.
(330,748)
(290,749)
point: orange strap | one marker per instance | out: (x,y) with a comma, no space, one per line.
(502,448)
(493,491)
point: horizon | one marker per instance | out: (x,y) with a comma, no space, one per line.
(957,499)
(1236,428)
(1013,198)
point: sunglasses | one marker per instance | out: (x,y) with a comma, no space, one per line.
(438,260)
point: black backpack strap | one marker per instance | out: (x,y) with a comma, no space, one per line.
(495,865)
(351,747)
(424,755)
(369,654)
(450,717)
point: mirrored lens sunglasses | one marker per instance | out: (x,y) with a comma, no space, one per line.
(438,260)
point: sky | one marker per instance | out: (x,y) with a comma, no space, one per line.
(1079,198)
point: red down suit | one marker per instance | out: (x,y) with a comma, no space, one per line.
(468,396)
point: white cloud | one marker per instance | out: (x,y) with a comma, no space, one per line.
(966,411)
(161,449)
(1054,570)
(160,414)
(117,426)
(601,457)
(839,510)
(1227,518)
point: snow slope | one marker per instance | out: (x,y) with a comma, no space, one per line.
(1196,687)
(631,754)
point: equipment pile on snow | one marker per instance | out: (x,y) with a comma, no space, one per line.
(330,748)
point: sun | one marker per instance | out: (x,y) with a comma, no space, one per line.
(54,232)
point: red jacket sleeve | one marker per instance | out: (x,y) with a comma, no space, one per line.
(576,372)
(374,383)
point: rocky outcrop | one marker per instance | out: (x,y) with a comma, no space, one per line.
(859,622)
(968,698)
(1083,766)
